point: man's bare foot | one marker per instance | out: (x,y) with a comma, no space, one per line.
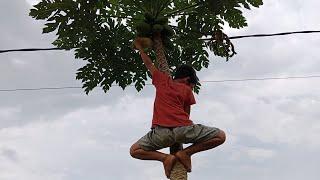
(168,163)
(185,160)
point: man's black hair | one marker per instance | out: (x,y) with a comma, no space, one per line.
(186,71)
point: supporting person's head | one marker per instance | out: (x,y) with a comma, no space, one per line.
(187,73)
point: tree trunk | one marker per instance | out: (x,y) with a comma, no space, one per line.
(178,172)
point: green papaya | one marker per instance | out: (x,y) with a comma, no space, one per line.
(161,20)
(143,28)
(157,28)
(139,34)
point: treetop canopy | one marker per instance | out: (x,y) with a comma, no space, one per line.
(102,31)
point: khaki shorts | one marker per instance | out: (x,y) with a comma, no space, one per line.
(162,137)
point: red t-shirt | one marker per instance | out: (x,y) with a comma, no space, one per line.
(171,100)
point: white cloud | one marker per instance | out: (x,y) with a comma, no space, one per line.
(32,2)
(260,154)
(254,154)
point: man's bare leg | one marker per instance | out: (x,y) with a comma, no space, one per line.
(167,160)
(184,155)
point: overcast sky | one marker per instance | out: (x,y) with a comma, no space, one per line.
(272,127)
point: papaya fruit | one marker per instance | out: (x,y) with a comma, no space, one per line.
(157,28)
(144,42)
(144,29)
(161,20)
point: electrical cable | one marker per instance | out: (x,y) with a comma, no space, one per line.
(208,81)
(29,49)
(233,37)
(276,34)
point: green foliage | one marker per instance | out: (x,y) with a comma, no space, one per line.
(167,31)
(101,33)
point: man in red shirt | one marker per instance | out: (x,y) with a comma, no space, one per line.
(171,123)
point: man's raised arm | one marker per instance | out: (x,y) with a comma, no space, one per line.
(145,58)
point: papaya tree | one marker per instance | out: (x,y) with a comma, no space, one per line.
(175,32)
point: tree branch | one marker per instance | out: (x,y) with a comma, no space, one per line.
(185,8)
(164,5)
(122,17)
(177,28)
(128,8)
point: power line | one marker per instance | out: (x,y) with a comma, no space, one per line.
(263,79)
(233,37)
(38,89)
(208,81)
(276,34)
(29,49)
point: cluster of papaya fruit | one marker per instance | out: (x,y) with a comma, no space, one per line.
(152,25)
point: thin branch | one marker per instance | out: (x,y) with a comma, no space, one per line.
(141,7)
(184,14)
(121,6)
(122,17)
(164,5)
(177,28)
(185,8)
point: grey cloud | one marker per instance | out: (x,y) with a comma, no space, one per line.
(9,153)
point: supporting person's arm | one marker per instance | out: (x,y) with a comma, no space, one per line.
(145,58)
